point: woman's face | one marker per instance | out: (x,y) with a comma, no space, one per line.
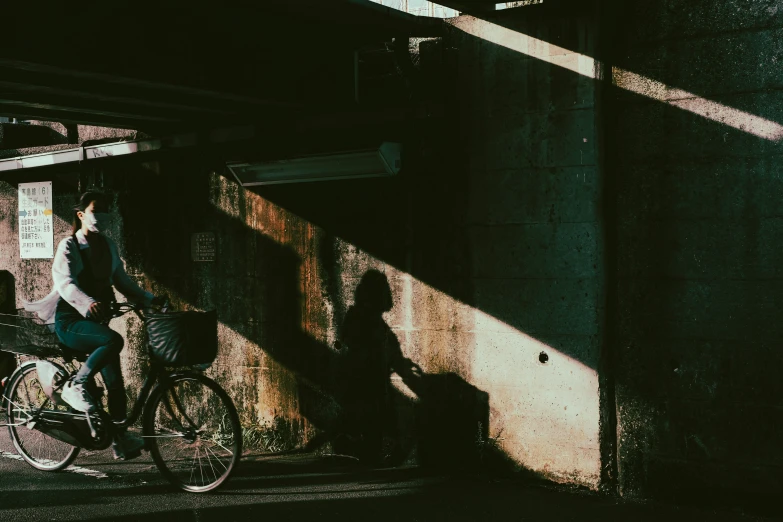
(95,217)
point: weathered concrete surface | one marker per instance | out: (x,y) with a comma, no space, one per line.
(699,230)
(533,233)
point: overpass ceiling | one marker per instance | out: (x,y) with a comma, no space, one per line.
(172,64)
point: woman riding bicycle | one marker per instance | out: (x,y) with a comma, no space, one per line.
(86,268)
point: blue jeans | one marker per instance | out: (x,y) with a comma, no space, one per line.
(104,346)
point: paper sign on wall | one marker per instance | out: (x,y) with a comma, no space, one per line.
(203,246)
(36,224)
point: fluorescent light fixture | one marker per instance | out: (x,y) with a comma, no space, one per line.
(381,161)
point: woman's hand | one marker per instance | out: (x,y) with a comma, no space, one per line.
(99,311)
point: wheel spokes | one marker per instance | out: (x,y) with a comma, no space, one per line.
(26,400)
(192,445)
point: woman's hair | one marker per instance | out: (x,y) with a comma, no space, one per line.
(84,202)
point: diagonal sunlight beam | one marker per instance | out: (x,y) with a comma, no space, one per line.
(624,79)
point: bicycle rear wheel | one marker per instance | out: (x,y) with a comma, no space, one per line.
(193,433)
(25,397)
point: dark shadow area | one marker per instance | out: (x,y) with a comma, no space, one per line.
(27,135)
(190,48)
(436,500)
(424,507)
(322,475)
(7,306)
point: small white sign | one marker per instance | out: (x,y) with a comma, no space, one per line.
(36,223)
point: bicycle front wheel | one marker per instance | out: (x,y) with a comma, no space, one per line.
(25,398)
(192,431)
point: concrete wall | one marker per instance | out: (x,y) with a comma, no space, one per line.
(496,245)
(698,143)
(532,223)
(489,246)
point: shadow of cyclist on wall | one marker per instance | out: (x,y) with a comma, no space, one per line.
(369,353)
(445,418)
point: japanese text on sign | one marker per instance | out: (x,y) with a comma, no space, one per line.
(36,230)
(203,246)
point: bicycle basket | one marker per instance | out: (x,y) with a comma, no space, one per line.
(183,338)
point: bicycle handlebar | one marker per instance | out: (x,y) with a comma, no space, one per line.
(120,309)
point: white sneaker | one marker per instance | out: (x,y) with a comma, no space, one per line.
(78,398)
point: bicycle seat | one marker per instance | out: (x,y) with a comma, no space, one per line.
(70,354)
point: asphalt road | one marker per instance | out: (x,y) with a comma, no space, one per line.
(303,487)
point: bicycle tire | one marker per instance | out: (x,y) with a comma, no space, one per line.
(24,393)
(193,433)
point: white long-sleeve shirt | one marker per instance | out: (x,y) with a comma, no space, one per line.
(66,268)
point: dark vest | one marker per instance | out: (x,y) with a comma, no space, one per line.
(95,278)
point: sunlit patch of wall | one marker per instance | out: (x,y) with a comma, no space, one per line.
(419,8)
(543,403)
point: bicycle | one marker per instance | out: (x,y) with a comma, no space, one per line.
(189,423)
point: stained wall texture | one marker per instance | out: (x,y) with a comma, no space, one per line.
(698,144)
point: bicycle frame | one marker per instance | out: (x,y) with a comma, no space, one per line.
(155,373)
(157,376)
